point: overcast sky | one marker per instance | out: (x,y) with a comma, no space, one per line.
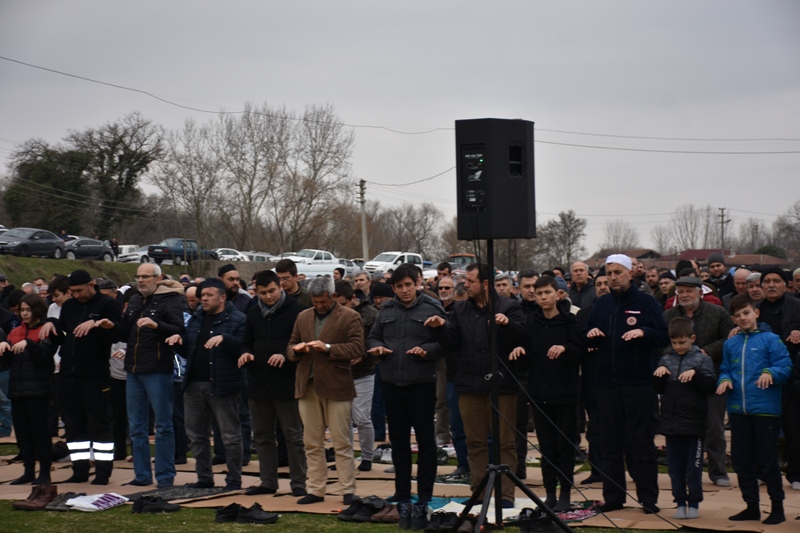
(679,70)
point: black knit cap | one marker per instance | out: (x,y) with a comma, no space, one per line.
(382,289)
(773,270)
(213,283)
(79,277)
(225,269)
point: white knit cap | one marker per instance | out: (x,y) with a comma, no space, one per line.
(620,259)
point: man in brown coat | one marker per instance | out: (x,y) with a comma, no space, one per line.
(324,341)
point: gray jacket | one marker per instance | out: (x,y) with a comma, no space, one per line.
(400,328)
(712,324)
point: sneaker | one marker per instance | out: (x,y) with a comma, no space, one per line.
(347,514)
(256,515)
(722,482)
(404,510)
(420,516)
(795,485)
(680,513)
(228,514)
(60,503)
(154,504)
(692,513)
(386,456)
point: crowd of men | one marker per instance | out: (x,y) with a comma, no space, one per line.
(282,360)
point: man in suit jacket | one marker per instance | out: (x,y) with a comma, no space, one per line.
(324,341)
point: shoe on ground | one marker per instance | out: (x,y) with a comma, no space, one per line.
(228,513)
(100,480)
(255,514)
(38,499)
(795,485)
(692,513)
(404,513)
(591,479)
(299,492)
(382,512)
(680,513)
(232,486)
(83,478)
(751,512)
(310,498)
(365,466)
(347,499)
(154,504)
(347,514)
(371,505)
(420,516)
(258,489)
(722,482)
(60,502)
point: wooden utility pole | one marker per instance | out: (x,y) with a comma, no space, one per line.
(362,199)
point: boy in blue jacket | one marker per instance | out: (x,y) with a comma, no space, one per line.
(755,364)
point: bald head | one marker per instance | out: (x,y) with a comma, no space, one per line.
(740,280)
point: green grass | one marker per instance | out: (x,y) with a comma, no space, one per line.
(22,269)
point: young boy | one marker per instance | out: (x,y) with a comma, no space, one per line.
(553,351)
(755,364)
(685,377)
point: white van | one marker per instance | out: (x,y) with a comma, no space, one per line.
(388,261)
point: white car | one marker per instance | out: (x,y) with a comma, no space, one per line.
(229,254)
(137,256)
(314,263)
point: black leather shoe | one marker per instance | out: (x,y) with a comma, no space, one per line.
(256,515)
(258,489)
(228,513)
(154,504)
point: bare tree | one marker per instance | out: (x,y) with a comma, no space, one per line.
(620,235)
(662,238)
(562,238)
(753,234)
(189,177)
(786,230)
(685,226)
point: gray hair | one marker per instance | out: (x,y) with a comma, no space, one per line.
(362,273)
(320,286)
(755,277)
(501,277)
(156,269)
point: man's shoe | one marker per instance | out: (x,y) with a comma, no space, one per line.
(795,485)
(722,482)
(347,514)
(365,466)
(404,512)
(40,496)
(347,499)
(448,521)
(60,502)
(370,506)
(435,523)
(258,489)
(776,515)
(752,512)
(299,491)
(228,513)
(232,486)
(100,480)
(154,504)
(420,516)
(650,508)
(77,478)
(199,485)
(256,515)
(310,498)
(591,479)
(382,512)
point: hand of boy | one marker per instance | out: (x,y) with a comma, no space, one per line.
(516,353)
(687,376)
(725,385)
(764,380)
(661,372)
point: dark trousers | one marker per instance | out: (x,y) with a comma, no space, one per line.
(247,432)
(457,427)
(407,407)
(521,435)
(685,467)
(714,440)
(754,454)
(86,407)
(556,429)
(378,413)
(33,432)
(628,417)
(179,422)
(593,438)
(119,409)
(790,422)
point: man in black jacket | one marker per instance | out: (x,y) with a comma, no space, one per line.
(85,335)
(271,385)
(151,317)
(213,382)
(408,353)
(466,330)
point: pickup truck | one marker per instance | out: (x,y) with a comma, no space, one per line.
(315,263)
(178,251)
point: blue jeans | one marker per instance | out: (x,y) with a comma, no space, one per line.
(457,428)
(5,405)
(144,390)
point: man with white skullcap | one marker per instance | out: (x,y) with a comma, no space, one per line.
(626,327)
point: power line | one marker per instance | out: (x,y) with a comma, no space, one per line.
(652,150)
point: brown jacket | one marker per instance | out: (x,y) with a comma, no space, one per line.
(333,379)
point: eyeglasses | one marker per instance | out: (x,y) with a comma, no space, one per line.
(144,276)
(445,288)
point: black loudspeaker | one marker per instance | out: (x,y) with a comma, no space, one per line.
(495,179)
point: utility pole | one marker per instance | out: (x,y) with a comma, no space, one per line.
(722,222)
(362,199)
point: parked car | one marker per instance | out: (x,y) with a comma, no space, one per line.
(179,251)
(84,248)
(350,267)
(128,248)
(388,261)
(31,241)
(260,257)
(314,263)
(137,256)
(229,254)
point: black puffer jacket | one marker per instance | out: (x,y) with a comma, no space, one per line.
(223,361)
(684,405)
(148,351)
(400,328)
(467,332)
(264,337)
(553,380)
(32,370)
